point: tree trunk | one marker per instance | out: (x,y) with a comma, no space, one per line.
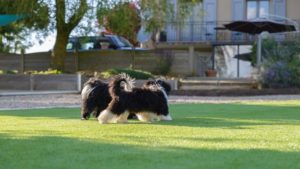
(63,31)
(59,52)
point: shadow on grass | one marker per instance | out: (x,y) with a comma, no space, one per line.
(233,115)
(236,116)
(62,152)
(60,113)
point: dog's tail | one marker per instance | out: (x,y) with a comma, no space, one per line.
(122,82)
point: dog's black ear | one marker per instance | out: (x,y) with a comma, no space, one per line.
(165,85)
(148,83)
(93,82)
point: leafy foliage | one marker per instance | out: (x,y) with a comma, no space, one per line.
(47,72)
(137,74)
(281,63)
(34,17)
(123,19)
(62,16)
(8,72)
(155,14)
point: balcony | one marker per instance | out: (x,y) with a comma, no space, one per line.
(201,32)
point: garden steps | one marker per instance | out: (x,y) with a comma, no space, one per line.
(204,83)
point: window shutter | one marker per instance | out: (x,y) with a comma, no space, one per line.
(238,13)
(238,10)
(279,8)
(171,26)
(210,18)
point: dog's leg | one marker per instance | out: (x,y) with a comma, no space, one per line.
(106,116)
(165,118)
(97,112)
(142,116)
(146,116)
(84,111)
(153,117)
(165,114)
(122,118)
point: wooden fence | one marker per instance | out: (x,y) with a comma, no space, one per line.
(70,82)
(176,62)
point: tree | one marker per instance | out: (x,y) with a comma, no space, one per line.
(123,19)
(120,17)
(48,15)
(14,34)
(65,23)
(63,16)
(9,33)
(156,13)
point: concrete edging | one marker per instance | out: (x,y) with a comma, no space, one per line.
(60,82)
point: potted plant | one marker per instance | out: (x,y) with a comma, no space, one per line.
(211,73)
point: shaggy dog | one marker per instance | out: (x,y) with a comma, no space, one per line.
(154,84)
(95,96)
(145,102)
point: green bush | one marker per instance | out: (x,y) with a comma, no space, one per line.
(8,72)
(47,72)
(281,62)
(137,74)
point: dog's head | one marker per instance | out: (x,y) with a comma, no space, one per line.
(93,82)
(165,85)
(155,84)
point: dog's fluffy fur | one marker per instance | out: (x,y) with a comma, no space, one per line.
(154,84)
(147,103)
(96,97)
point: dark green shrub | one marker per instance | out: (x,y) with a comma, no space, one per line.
(46,72)
(8,72)
(281,63)
(137,74)
(280,75)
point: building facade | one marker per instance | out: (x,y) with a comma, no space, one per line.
(210,46)
(207,18)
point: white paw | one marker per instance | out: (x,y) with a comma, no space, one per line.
(166,118)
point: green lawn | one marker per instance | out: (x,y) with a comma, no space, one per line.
(209,136)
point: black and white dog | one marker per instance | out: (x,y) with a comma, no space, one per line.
(146,103)
(95,96)
(158,83)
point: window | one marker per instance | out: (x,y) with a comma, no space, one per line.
(257,8)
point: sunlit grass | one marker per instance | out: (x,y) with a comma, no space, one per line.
(243,135)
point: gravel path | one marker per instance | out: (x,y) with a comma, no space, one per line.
(73,100)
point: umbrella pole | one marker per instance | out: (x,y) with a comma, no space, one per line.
(213,58)
(238,61)
(258,54)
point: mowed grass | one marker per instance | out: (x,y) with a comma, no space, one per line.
(264,135)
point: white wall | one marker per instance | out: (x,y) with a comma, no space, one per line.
(226,64)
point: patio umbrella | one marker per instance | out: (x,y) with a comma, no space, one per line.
(244,56)
(258,26)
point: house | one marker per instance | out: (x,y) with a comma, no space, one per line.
(203,34)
